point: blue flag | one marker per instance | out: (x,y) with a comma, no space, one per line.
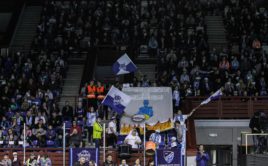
(124,65)
(214,96)
(117,100)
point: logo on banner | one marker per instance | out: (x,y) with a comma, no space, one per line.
(117,100)
(168,156)
(123,67)
(85,154)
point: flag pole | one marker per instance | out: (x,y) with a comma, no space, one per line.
(24,143)
(144,139)
(104,139)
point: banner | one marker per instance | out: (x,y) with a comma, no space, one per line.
(124,65)
(168,157)
(88,153)
(116,99)
(149,105)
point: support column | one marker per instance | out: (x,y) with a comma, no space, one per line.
(234,147)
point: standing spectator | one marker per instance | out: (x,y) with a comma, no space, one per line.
(91,119)
(156,137)
(75,135)
(176,98)
(112,132)
(6,161)
(202,157)
(174,143)
(31,161)
(254,124)
(44,160)
(97,132)
(15,160)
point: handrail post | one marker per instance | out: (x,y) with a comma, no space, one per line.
(64,146)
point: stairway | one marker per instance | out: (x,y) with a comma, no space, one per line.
(26,28)
(146,69)
(71,87)
(216,32)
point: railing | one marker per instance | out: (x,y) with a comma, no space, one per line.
(56,154)
(227,107)
(246,135)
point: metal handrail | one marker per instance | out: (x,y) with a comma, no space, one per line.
(246,134)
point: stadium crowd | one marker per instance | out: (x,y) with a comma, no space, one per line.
(175,32)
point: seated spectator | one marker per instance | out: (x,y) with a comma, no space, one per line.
(6,161)
(151,163)
(39,132)
(92,163)
(109,161)
(67,111)
(39,117)
(11,138)
(224,64)
(81,162)
(133,139)
(123,163)
(29,136)
(29,119)
(51,133)
(137,162)
(75,135)
(5,124)
(55,120)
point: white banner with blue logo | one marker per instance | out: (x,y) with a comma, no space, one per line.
(148,105)
(89,154)
(117,100)
(124,65)
(168,157)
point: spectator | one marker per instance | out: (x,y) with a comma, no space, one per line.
(67,111)
(92,163)
(75,135)
(97,132)
(6,161)
(44,160)
(109,161)
(174,143)
(123,163)
(31,161)
(137,162)
(151,163)
(91,119)
(51,133)
(254,124)
(81,162)
(112,132)
(133,139)
(224,64)
(156,137)
(202,157)
(39,132)
(15,160)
